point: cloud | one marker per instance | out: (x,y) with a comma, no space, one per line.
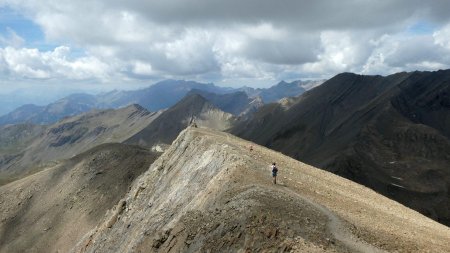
(442,37)
(11,39)
(226,41)
(25,63)
(406,52)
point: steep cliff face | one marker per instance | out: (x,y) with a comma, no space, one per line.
(210,193)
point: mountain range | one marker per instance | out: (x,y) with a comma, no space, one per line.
(193,109)
(388,133)
(209,190)
(161,95)
(26,148)
(281,90)
(69,106)
(12,100)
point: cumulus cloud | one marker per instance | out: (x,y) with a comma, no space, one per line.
(33,64)
(225,41)
(442,37)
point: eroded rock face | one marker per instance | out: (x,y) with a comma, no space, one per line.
(173,186)
(209,193)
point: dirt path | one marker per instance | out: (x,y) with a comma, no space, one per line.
(337,228)
(335,224)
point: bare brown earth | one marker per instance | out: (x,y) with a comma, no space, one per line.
(51,210)
(209,193)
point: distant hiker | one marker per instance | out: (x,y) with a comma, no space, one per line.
(251,148)
(274,173)
(192,122)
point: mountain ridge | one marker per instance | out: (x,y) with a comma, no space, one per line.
(50,210)
(209,192)
(192,109)
(158,96)
(352,125)
(71,136)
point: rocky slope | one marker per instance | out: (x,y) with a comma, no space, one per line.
(192,108)
(74,135)
(50,211)
(16,137)
(389,133)
(13,140)
(209,193)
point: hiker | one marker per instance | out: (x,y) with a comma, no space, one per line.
(251,148)
(192,122)
(274,173)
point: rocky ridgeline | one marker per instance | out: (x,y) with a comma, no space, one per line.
(209,193)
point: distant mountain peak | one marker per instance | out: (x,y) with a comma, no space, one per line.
(389,133)
(137,107)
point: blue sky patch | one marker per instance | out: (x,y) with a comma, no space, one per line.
(422,28)
(25,28)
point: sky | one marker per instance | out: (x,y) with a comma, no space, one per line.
(117,44)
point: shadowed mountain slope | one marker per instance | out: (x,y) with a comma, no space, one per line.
(281,90)
(236,103)
(159,96)
(389,133)
(209,193)
(192,108)
(65,107)
(49,211)
(74,135)
(23,114)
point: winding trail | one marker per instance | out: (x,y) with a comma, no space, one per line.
(335,224)
(337,228)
